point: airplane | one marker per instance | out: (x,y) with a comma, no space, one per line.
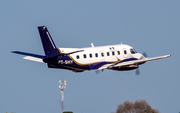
(120,57)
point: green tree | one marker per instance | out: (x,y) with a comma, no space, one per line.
(139,106)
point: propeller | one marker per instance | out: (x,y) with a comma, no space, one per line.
(144,54)
(97,71)
(138,70)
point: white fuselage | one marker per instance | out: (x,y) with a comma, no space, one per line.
(110,53)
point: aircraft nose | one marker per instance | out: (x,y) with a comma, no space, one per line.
(138,56)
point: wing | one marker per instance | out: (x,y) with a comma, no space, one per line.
(140,61)
(120,63)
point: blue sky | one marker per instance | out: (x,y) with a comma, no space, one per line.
(149,26)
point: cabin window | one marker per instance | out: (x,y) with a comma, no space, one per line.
(125,52)
(90,55)
(102,54)
(96,54)
(113,53)
(77,56)
(107,53)
(118,52)
(84,55)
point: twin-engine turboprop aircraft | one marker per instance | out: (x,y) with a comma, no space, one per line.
(115,57)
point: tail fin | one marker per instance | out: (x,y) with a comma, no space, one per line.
(49,46)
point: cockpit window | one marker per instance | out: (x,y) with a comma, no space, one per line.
(132,51)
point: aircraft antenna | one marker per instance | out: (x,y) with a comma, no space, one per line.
(62,86)
(92,45)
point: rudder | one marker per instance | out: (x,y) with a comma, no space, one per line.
(49,46)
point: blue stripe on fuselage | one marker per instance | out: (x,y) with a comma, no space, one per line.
(126,60)
(68,61)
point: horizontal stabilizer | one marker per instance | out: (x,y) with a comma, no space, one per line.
(33,59)
(28,54)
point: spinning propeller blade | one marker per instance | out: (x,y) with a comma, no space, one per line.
(137,71)
(144,54)
(97,71)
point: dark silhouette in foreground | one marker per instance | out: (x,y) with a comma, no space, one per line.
(139,106)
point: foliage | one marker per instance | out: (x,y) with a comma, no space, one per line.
(67,112)
(139,106)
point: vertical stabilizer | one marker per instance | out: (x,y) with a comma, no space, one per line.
(49,46)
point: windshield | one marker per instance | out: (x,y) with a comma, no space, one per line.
(132,51)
